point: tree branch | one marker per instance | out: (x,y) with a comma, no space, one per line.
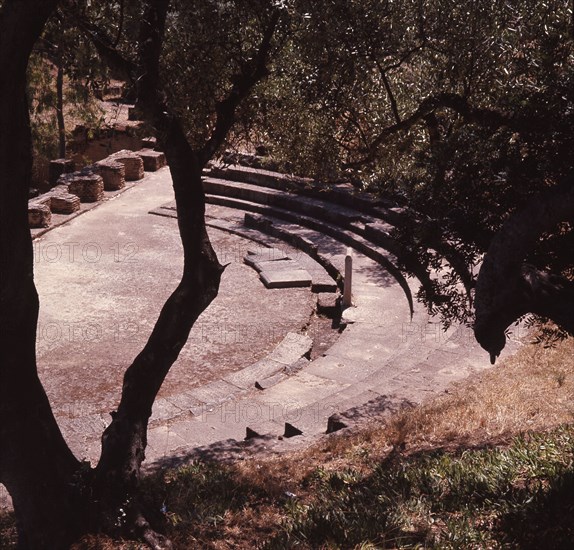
(484,117)
(243,83)
(121,66)
(392,99)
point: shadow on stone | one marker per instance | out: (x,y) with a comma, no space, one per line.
(291,431)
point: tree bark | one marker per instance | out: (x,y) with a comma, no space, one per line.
(36,465)
(60,110)
(124,441)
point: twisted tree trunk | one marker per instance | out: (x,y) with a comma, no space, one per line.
(36,465)
(55,497)
(124,441)
(507,287)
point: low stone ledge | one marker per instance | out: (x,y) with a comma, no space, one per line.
(39,214)
(323,285)
(327,303)
(292,348)
(264,255)
(276,265)
(285,278)
(270,381)
(113,173)
(152,160)
(133,164)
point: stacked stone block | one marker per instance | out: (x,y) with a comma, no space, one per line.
(63,202)
(133,164)
(59,167)
(152,160)
(39,214)
(86,184)
(113,173)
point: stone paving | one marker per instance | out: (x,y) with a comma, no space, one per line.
(102,279)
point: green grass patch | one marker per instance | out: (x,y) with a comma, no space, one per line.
(518,496)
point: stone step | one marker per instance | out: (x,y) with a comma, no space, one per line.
(342,194)
(289,351)
(298,240)
(256,176)
(292,233)
(384,360)
(283,273)
(286,278)
(320,209)
(324,276)
(297,210)
(345,235)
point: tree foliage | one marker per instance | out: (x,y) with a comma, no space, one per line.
(460,111)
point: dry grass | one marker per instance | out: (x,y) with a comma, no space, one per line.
(531,391)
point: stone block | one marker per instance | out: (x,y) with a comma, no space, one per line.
(39,214)
(327,303)
(286,278)
(264,255)
(62,202)
(134,167)
(292,348)
(214,392)
(59,167)
(149,143)
(251,434)
(113,173)
(291,431)
(248,376)
(270,381)
(86,184)
(152,160)
(335,423)
(274,265)
(297,366)
(323,284)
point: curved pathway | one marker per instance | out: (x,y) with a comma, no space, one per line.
(389,355)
